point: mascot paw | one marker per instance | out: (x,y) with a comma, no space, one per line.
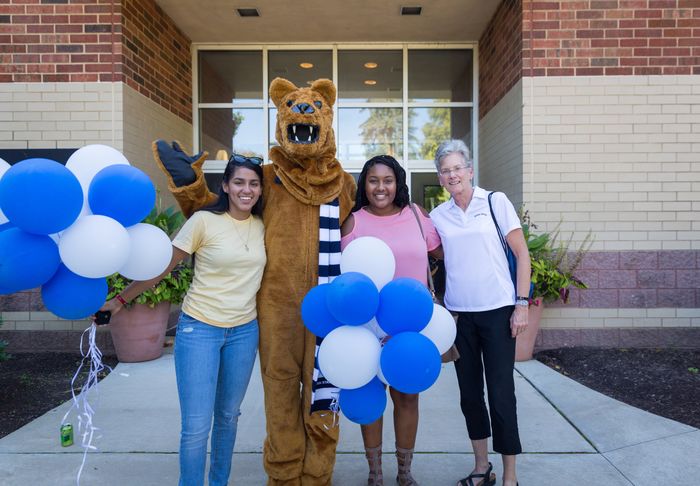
(180,166)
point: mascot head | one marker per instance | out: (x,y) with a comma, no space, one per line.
(304,118)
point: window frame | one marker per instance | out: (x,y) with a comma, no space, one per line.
(265,104)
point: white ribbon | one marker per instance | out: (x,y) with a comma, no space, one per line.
(86,430)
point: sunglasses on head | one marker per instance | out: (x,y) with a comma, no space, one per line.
(241,159)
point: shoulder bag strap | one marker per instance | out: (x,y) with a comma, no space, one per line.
(504,243)
(431,285)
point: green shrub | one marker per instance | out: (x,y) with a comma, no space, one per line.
(553,261)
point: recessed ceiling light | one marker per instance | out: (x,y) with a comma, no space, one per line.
(370,82)
(306,65)
(248,12)
(371,65)
(411,10)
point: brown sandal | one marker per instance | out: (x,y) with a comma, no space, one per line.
(489,479)
(404,457)
(374,459)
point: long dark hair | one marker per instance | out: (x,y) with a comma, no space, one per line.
(401,199)
(236,162)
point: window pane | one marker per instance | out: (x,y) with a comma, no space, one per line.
(366,132)
(287,64)
(427,191)
(428,127)
(225,76)
(273,126)
(440,75)
(381,81)
(232,131)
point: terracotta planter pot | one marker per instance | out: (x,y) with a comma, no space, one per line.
(525,342)
(138,333)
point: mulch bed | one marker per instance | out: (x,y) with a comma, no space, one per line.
(31,384)
(665,382)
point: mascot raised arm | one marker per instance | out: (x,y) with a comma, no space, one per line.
(306,196)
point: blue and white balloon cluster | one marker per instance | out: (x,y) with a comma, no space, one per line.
(356,311)
(66,228)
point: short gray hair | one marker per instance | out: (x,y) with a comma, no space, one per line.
(451,147)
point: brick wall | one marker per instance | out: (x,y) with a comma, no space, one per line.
(99,40)
(611,37)
(60,115)
(500,55)
(501,146)
(639,280)
(586,38)
(617,155)
(156,57)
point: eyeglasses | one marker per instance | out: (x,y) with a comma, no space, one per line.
(448,172)
(242,159)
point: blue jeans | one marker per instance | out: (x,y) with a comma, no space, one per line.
(213,367)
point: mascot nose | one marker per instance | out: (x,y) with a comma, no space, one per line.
(303,108)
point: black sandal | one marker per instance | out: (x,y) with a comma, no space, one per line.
(489,479)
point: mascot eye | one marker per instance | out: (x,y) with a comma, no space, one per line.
(318,104)
(290,103)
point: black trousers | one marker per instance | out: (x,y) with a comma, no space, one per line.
(486,335)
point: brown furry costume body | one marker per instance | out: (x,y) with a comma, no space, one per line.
(300,446)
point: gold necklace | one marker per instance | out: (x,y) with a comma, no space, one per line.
(245,242)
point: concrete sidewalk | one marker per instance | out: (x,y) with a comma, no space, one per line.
(571,435)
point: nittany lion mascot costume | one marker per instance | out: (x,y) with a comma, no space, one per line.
(306,194)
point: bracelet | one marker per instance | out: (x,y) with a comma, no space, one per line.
(522,302)
(520,297)
(120,299)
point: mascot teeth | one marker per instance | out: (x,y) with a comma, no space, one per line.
(302,133)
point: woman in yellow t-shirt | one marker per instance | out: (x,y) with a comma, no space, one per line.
(217,334)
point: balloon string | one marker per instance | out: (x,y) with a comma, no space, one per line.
(85,428)
(334,409)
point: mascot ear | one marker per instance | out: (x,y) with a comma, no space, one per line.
(325,88)
(279,88)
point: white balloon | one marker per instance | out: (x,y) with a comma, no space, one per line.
(88,161)
(94,246)
(371,256)
(3,168)
(376,329)
(441,329)
(349,356)
(151,251)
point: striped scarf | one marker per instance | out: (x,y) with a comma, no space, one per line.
(324,395)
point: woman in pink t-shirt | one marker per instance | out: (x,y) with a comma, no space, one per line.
(382,210)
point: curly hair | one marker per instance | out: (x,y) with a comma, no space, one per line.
(401,200)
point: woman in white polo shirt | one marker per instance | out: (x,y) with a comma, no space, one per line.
(217,334)
(491,313)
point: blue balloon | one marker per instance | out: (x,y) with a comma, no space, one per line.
(71,296)
(405,305)
(364,405)
(26,260)
(410,362)
(315,313)
(122,192)
(40,196)
(352,298)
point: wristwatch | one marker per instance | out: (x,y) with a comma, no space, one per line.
(522,301)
